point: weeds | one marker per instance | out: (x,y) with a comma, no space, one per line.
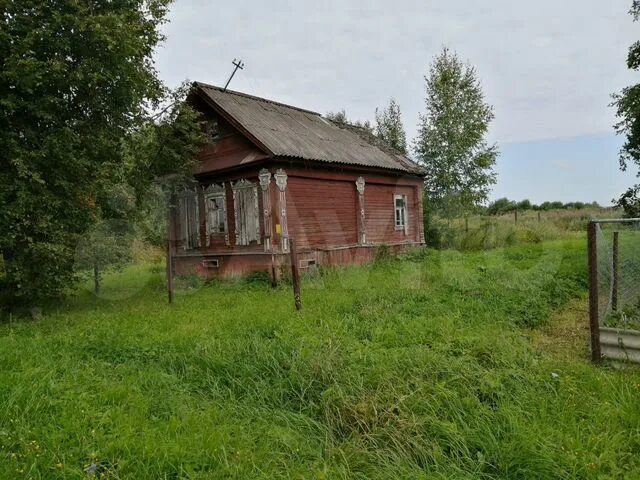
(413,367)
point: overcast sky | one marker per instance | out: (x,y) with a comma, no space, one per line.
(548,67)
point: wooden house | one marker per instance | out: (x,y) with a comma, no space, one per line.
(272,172)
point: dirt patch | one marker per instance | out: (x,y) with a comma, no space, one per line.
(565,335)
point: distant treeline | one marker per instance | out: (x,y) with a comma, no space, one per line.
(504,205)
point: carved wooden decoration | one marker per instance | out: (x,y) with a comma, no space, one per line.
(362,234)
(265,183)
(281,182)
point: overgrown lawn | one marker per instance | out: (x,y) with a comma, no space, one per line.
(420,367)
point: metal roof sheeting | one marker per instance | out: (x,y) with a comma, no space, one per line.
(294,132)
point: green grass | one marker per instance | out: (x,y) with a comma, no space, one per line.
(484,232)
(420,367)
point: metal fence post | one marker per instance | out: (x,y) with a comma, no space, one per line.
(616,272)
(594,321)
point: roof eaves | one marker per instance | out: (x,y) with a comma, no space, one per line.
(229,118)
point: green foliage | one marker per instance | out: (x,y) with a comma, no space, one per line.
(501,206)
(451,138)
(630,202)
(524,205)
(160,159)
(389,127)
(341,118)
(383,252)
(107,245)
(75,79)
(415,368)
(627,105)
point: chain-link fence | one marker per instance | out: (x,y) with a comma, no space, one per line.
(614,288)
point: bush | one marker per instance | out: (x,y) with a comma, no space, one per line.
(383,252)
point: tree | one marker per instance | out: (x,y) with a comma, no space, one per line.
(524,205)
(337,117)
(160,159)
(389,127)
(501,206)
(341,119)
(76,78)
(451,138)
(105,245)
(627,104)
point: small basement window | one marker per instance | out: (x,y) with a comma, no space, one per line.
(400,207)
(211,263)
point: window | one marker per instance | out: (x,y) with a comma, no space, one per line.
(215,207)
(211,129)
(245,206)
(189,217)
(400,206)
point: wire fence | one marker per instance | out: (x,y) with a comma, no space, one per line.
(614,291)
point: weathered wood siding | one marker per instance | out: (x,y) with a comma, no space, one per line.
(229,150)
(322,213)
(380,213)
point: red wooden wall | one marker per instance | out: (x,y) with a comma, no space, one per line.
(321,213)
(380,213)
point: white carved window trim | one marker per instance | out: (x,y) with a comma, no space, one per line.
(245,198)
(400,214)
(216,193)
(362,228)
(189,215)
(281,179)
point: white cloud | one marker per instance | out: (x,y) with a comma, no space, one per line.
(549,67)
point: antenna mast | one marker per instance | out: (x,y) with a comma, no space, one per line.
(238,65)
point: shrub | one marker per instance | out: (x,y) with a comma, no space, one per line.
(383,252)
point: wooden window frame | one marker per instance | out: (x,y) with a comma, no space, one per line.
(218,193)
(242,186)
(189,215)
(405,214)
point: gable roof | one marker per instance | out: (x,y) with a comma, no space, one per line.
(287,131)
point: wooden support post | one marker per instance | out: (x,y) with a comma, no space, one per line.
(169,272)
(515,215)
(466,224)
(594,322)
(616,268)
(538,217)
(295,273)
(274,274)
(170,244)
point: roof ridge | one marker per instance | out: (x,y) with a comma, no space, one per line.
(253,97)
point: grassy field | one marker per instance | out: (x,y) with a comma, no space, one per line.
(482,232)
(435,365)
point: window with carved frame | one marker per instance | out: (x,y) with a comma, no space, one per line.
(246,212)
(215,207)
(400,209)
(189,219)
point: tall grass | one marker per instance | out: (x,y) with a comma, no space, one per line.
(412,367)
(488,232)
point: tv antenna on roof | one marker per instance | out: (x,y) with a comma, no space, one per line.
(238,65)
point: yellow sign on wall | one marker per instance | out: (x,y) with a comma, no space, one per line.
(278,229)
